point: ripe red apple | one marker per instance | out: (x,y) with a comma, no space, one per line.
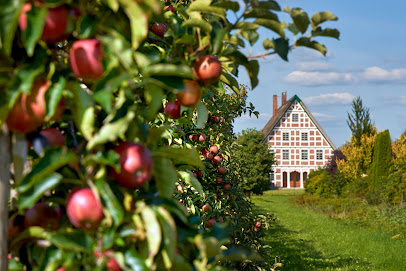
(256,229)
(227,186)
(206,208)
(215,119)
(112,264)
(207,69)
(135,163)
(219,180)
(85,59)
(199,173)
(216,159)
(203,152)
(158,29)
(193,137)
(172,109)
(211,222)
(222,170)
(84,210)
(209,156)
(53,136)
(258,224)
(169,7)
(214,149)
(179,188)
(202,137)
(42,215)
(61,269)
(55,23)
(191,93)
(194,174)
(29,111)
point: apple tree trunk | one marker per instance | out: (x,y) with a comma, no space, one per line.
(4,192)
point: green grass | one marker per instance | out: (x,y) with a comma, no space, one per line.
(305,240)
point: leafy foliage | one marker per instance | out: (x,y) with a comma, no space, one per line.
(125,76)
(252,161)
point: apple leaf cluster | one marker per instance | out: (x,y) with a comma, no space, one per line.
(107,102)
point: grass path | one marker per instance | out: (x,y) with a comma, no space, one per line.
(305,240)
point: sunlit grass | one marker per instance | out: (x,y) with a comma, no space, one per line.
(305,240)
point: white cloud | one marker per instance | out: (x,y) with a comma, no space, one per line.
(323,117)
(377,74)
(304,76)
(319,78)
(391,100)
(330,98)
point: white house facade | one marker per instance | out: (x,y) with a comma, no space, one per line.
(298,142)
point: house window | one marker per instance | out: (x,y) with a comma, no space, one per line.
(285,154)
(304,154)
(285,136)
(304,136)
(272,176)
(295,117)
(319,154)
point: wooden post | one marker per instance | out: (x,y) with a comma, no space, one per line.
(4,193)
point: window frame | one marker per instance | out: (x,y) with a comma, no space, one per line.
(283,136)
(295,117)
(307,136)
(287,153)
(304,155)
(319,152)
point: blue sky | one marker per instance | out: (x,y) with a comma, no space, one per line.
(368,61)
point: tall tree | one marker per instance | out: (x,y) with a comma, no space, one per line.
(252,161)
(381,160)
(359,120)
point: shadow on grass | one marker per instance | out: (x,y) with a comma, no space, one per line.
(298,254)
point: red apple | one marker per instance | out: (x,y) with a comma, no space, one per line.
(215,119)
(219,180)
(206,208)
(256,229)
(172,109)
(199,173)
(136,165)
(258,224)
(216,159)
(55,23)
(190,95)
(84,210)
(202,137)
(194,174)
(29,111)
(112,264)
(203,152)
(227,186)
(53,136)
(211,222)
(207,69)
(214,149)
(85,59)
(209,156)
(42,215)
(193,137)
(158,29)
(61,269)
(179,188)
(222,170)
(170,8)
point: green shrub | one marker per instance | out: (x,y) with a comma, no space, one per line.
(319,183)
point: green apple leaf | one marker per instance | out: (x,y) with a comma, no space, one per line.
(54,95)
(188,178)
(113,205)
(200,23)
(169,234)
(165,176)
(35,25)
(321,17)
(9,13)
(138,22)
(180,156)
(300,18)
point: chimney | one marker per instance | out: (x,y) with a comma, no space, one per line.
(275,105)
(283,98)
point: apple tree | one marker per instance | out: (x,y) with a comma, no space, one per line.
(102,104)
